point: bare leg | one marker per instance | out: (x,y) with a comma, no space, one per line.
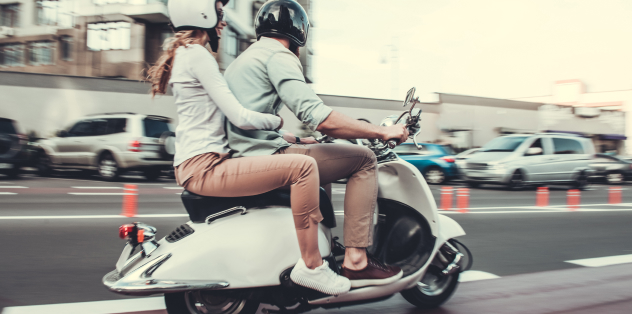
(355,258)
(308,242)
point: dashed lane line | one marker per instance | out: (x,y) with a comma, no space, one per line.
(8,193)
(173,187)
(475,275)
(89,193)
(97,187)
(92,216)
(603,261)
(13,187)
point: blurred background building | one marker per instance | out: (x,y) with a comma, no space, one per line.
(107,38)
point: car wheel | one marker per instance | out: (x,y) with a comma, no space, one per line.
(152,174)
(14,172)
(581,181)
(614,178)
(473,184)
(108,167)
(44,165)
(516,183)
(435,175)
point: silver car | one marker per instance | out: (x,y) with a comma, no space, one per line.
(519,160)
(111,144)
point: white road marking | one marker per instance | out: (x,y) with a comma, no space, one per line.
(97,307)
(7,193)
(603,261)
(475,275)
(338,191)
(88,193)
(173,187)
(97,187)
(92,216)
(13,187)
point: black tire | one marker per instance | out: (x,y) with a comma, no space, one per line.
(473,184)
(108,167)
(615,178)
(44,165)
(435,175)
(167,142)
(581,181)
(435,293)
(185,303)
(516,182)
(13,173)
(152,174)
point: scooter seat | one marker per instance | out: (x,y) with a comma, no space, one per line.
(199,207)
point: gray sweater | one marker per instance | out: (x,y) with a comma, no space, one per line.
(263,78)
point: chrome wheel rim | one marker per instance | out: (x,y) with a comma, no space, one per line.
(204,302)
(614,178)
(435,176)
(432,284)
(107,168)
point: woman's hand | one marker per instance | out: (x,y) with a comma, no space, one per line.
(309,140)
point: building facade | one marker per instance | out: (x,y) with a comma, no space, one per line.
(106,38)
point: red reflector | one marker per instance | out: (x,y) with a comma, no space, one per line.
(448,159)
(125,230)
(134,146)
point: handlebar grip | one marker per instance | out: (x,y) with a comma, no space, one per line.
(392,143)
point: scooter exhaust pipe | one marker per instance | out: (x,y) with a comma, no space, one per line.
(452,266)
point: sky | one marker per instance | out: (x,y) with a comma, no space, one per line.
(489,48)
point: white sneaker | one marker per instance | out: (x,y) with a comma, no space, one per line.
(321,278)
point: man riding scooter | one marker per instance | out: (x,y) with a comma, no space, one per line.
(269,74)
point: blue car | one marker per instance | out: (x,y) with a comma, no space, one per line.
(434,161)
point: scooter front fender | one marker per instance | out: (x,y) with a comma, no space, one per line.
(449,229)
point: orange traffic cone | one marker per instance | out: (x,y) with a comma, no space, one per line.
(463,199)
(542,197)
(446,197)
(614,195)
(130,200)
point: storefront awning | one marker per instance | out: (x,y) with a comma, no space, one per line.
(612,137)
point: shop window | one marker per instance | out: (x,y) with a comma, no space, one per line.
(66,44)
(55,12)
(109,36)
(12,55)
(41,53)
(10,15)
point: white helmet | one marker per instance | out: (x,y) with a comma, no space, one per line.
(195,14)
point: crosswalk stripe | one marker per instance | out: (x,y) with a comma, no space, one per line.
(97,307)
(603,261)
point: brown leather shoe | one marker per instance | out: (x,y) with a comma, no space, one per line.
(374,274)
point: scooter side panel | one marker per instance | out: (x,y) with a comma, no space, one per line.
(245,250)
(402,182)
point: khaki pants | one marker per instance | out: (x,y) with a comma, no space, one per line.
(213,174)
(359,165)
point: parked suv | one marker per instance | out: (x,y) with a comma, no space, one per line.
(517,160)
(12,152)
(111,144)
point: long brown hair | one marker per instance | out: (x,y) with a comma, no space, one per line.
(160,73)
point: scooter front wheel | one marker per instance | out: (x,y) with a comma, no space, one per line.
(433,289)
(208,302)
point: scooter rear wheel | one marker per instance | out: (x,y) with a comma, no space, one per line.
(433,289)
(207,302)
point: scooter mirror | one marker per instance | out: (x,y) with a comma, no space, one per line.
(409,96)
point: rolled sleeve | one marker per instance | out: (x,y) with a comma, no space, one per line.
(286,74)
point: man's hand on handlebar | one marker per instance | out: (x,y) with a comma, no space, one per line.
(396,132)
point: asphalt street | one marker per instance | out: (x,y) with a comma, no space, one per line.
(53,251)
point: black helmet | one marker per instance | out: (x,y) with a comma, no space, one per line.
(283,17)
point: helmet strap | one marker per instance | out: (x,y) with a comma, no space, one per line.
(213,39)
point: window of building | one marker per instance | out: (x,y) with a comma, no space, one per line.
(41,52)
(109,36)
(55,12)
(10,15)
(12,55)
(567,146)
(230,43)
(66,48)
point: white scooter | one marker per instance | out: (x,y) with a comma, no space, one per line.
(237,253)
